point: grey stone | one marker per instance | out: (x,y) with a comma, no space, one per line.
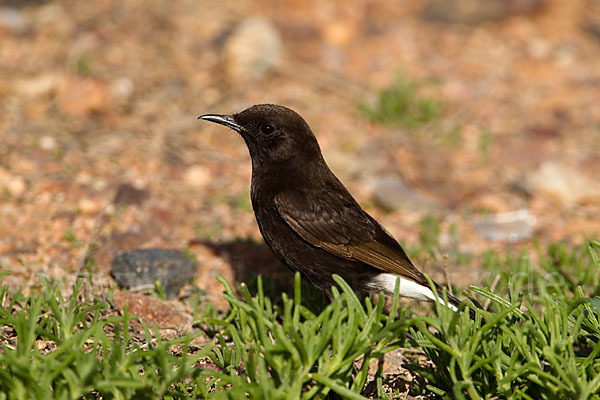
(512,227)
(141,268)
(252,51)
(562,182)
(391,192)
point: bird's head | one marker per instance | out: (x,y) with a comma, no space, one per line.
(273,133)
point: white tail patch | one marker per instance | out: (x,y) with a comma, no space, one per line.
(408,288)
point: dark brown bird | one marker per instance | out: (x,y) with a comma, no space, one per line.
(307,216)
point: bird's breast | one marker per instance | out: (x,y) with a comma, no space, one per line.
(267,216)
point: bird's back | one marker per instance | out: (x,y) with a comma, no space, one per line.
(325,200)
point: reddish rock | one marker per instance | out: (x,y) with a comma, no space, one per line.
(150,309)
(81,96)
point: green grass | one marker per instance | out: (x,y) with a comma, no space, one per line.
(288,352)
(69,236)
(72,348)
(541,340)
(484,145)
(84,64)
(208,232)
(243,202)
(401,104)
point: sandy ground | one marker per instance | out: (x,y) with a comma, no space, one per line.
(101,150)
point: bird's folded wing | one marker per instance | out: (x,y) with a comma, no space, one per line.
(342,228)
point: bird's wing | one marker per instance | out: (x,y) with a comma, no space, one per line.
(335,222)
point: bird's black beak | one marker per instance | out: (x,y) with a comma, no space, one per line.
(226,120)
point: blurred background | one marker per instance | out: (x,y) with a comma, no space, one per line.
(471,124)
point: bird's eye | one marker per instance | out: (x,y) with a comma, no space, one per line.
(267,129)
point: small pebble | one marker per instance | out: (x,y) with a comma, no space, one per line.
(128,195)
(13,20)
(197,176)
(47,143)
(14,184)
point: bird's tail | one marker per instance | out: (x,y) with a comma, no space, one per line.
(454,302)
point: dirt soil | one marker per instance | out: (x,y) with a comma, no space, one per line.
(100,149)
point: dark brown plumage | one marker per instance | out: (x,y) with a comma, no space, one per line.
(307,216)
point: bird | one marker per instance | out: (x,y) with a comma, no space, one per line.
(310,220)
